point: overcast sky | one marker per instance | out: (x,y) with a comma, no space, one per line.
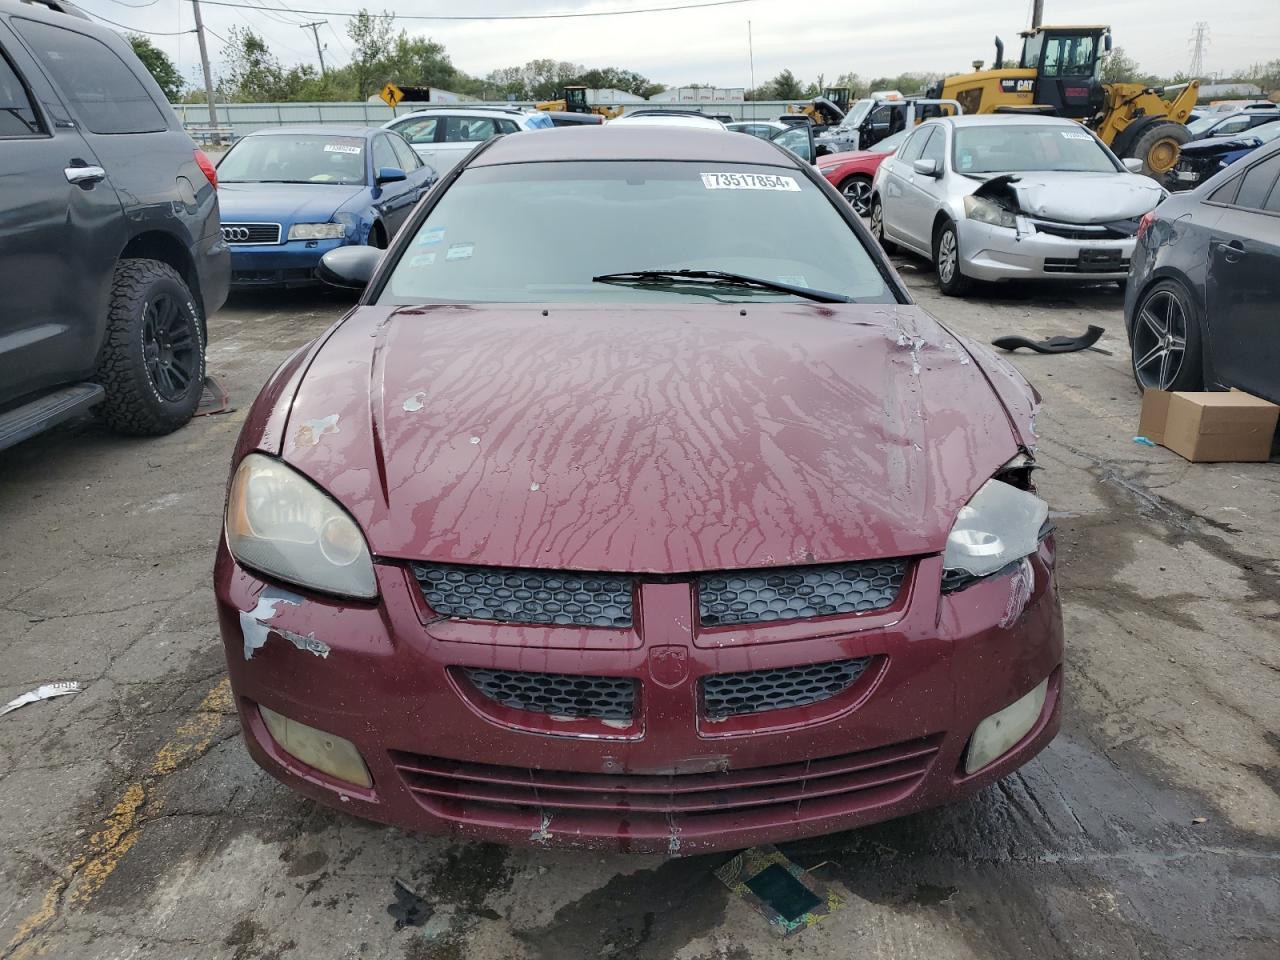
(870,37)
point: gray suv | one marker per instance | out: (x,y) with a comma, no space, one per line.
(111,258)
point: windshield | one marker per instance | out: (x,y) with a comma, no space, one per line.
(890,144)
(1267,132)
(1196,127)
(539,232)
(1019,148)
(288,158)
(857,113)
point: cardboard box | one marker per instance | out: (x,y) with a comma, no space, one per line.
(1210,427)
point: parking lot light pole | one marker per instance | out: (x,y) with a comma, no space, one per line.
(208,75)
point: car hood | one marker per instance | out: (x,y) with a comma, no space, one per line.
(646,438)
(1078,197)
(833,160)
(1220,145)
(283,202)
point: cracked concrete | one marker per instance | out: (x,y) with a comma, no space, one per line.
(136,826)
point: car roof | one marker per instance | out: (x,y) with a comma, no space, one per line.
(318,130)
(1003,120)
(475,110)
(634,141)
(670,120)
(47,10)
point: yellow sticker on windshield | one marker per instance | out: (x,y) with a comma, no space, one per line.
(749,181)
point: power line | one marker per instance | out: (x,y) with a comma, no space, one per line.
(514,16)
(150,33)
(314,27)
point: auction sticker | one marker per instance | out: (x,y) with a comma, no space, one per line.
(749,181)
(422,260)
(1076,135)
(460,251)
(430,237)
(340,146)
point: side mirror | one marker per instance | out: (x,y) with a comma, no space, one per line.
(1132,164)
(390,175)
(926,168)
(349,267)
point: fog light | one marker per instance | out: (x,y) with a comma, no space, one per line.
(1000,731)
(326,752)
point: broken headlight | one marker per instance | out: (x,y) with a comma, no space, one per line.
(1000,525)
(988,211)
(280,523)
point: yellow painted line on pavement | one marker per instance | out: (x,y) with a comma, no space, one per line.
(121,828)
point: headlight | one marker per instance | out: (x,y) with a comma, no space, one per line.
(987,211)
(280,523)
(317,231)
(999,525)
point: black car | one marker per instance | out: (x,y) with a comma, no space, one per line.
(1201,159)
(1200,307)
(111,258)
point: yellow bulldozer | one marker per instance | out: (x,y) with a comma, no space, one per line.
(826,110)
(574,100)
(1059,73)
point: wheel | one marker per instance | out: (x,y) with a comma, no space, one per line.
(152,361)
(1158,148)
(877,226)
(378,236)
(1164,344)
(857,190)
(946,261)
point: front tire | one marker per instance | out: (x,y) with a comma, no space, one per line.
(857,190)
(1164,344)
(152,361)
(946,262)
(1158,148)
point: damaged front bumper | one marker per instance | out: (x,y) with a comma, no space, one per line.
(392,682)
(989,252)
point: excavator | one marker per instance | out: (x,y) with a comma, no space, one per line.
(1059,73)
(574,100)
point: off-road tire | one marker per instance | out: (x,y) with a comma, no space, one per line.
(1167,139)
(951,281)
(877,226)
(134,404)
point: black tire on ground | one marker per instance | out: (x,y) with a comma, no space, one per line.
(1158,148)
(946,261)
(857,190)
(877,226)
(152,360)
(1164,344)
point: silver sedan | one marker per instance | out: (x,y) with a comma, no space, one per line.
(1001,197)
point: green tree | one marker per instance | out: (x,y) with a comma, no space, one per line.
(1266,75)
(372,36)
(785,86)
(159,66)
(1121,68)
(252,73)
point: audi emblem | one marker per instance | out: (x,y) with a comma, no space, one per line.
(235,234)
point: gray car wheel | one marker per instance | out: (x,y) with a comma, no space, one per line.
(877,226)
(857,190)
(1165,340)
(946,261)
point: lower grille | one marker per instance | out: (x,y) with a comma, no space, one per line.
(654,805)
(755,691)
(796,593)
(1116,230)
(558,694)
(1080,265)
(511,595)
(251,232)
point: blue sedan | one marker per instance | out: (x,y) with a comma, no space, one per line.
(288,195)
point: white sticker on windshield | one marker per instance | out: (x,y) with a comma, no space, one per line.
(422,260)
(342,148)
(749,181)
(1076,135)
(460,251)
(795,279)
(432,236)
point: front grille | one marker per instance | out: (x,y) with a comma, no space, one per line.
(511,595)
(649,805)
(558,694)
(796,593)
(1077,265)
(755,691)
(1115,230)
(251,232)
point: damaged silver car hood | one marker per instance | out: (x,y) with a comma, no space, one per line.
(1072,197)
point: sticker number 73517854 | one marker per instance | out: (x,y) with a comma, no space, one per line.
(749,181)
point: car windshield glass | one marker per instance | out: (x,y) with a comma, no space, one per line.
(858,111)
(890,144)
(539,232)
(1196,127)
(1266,132)
(1016,149)
(294,158)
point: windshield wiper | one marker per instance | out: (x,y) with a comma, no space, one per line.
(707,278)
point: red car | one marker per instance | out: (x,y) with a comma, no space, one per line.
(852,172)
(609,519)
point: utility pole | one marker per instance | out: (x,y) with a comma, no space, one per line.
(208,74)
(1037,13)
(751,61)
(1199,43)
(315,32)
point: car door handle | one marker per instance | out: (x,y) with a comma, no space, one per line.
(85,176)
(1232,250)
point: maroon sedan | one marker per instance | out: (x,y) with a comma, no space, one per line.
(851,172)
(636,507)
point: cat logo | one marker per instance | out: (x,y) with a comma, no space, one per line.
(1017,86)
